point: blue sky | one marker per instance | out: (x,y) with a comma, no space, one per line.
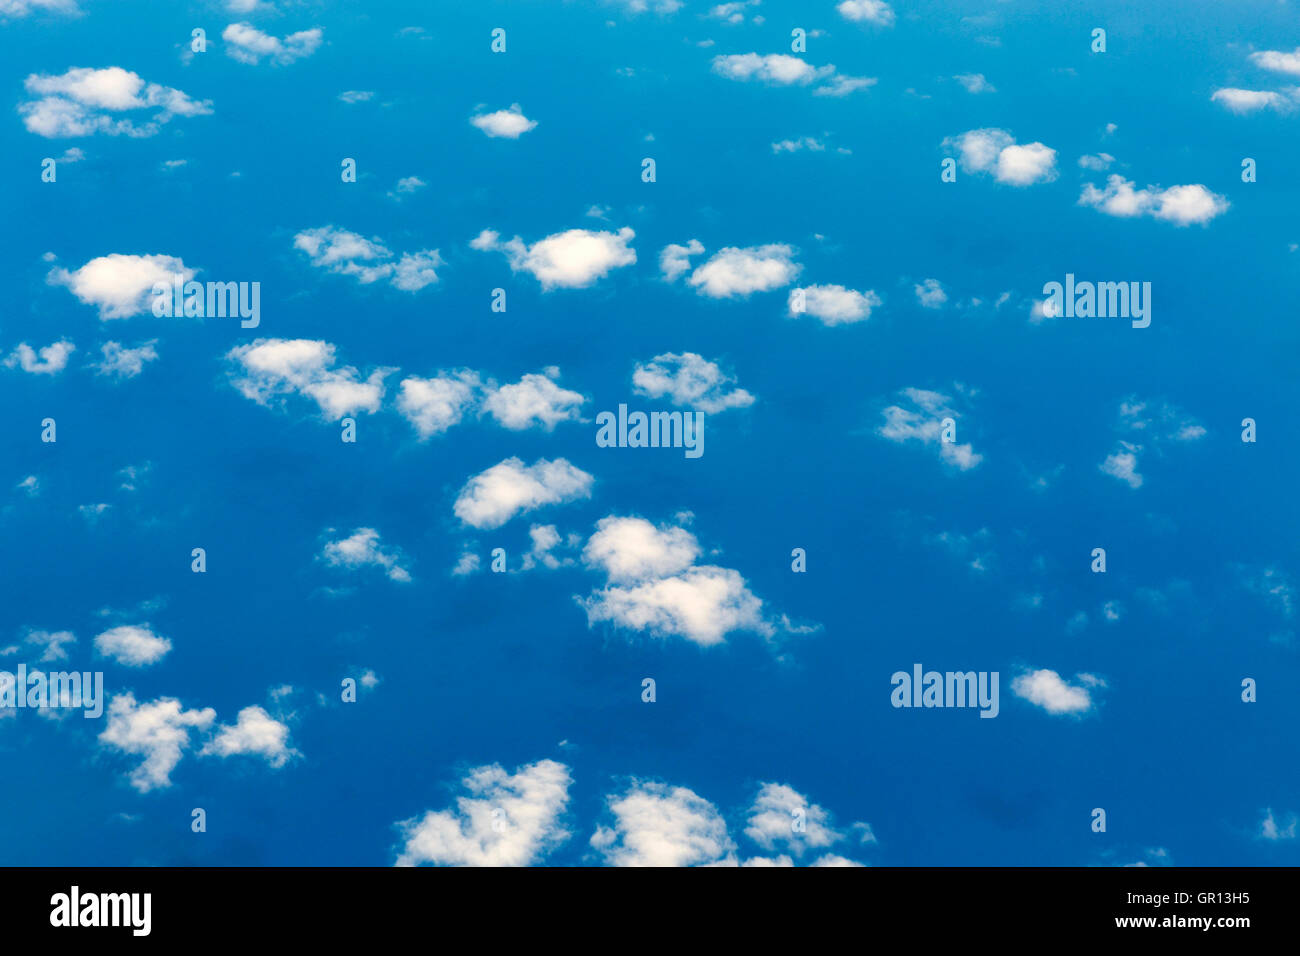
(499,716)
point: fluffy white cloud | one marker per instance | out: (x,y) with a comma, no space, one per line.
(920,418)
(834,304)
(658,825)
(690,380)
(273,367)
(254,732)
(122,362)
(930,294)
(633,549)
(133,645)
(368,260)
(1046,689)
(1278,61)
(159,731)
(775,809)
(504,124)
(1251,101)
(535,399)
(867,11)
(50,360)
(1098,163)
(247,44)
(433,405)
(1181,205)
(573,259)
(502,819)
(363,549)
(732,271)
(785,146)
(85,101)
(781,69)
(702,604)
(493,497)
(676,259)
(120,286)
(996,151)
(1271,829)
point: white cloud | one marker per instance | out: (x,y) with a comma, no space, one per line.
(834,304)
(975,83)
(85,101)
(996,151)
(363,549)
(930,294)
(535,399)
(867,11)
(702,604)
(1098,163)
(158,730)
(1251,101)
(274,367)
(921,419)
(733,272)
(247,44)
(1270,829)
(120,286)
(254,732)
(122,362)
(573,259)
(546,539)
(504,124)
(675,259)
(1123,464)
(1278,61)
(1046,689)
(780,69)
(633,549)
(773,813)
(502,819)
(434,405)
(493,497)
(132,645)
(50,360)
(20,8)
(689,380)
(1181,205)
(658,825)
(356,96)
(368,260)
(785,146)
(51,644)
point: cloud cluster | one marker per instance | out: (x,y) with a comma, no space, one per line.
(433,405)
(1181,205)
(782,69)
(120,286)
(368,260)
(271,368)
(996,151)
(920,417)
(247,44)
(113,101)
(691,381)
(363,549)
(655,586)
(731,272)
